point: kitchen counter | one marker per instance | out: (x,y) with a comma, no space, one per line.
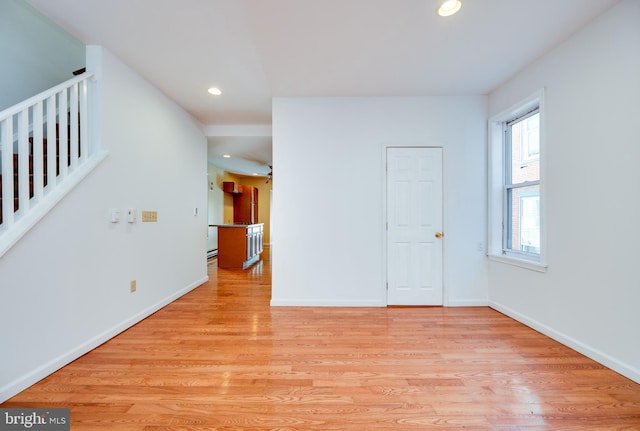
(239,245)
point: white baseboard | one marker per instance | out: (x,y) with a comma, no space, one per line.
(22,383)
(608,361)
(364,303)
(467,303)
(325,303)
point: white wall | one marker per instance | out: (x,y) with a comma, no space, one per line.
(215,204)
(328,204)
(36,54)
(65,285)
(590,294)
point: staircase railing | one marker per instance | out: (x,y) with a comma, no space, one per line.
(44,141)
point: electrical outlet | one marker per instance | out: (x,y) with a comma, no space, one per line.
(132,286)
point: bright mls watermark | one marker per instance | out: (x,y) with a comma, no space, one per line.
(35,419)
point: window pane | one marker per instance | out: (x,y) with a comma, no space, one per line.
(525,149)
(524,219)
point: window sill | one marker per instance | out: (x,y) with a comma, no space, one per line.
(527,264)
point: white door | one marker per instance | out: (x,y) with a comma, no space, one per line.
(414,230)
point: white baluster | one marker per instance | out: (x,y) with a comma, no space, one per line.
(63,136)
(23,161)
(73,121)
(51,142)
(7,172)
(38,158)
(84,118)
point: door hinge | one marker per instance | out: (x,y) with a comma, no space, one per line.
(387,225)
(387,285)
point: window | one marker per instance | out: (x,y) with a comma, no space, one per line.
(522,184)
(515,193)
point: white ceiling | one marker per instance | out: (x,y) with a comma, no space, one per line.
(249,154)
(258,49)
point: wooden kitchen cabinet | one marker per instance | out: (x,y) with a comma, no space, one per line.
(239,246)
(230,187)
(245,205)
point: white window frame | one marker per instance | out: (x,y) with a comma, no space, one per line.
(496,179)
(524,150)
(509,187)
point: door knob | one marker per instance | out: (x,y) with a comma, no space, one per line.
(439,234)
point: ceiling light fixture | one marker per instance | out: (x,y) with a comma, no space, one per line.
(226,156)
(449,7)
(270,174)
(215,91)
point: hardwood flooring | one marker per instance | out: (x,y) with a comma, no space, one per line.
(220,358)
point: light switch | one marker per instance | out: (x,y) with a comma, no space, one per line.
(131,215)
(115,215)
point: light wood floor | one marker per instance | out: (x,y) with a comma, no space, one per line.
(220,358)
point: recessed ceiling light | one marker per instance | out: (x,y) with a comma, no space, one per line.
(449,7)
(226,156)
(215,91)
